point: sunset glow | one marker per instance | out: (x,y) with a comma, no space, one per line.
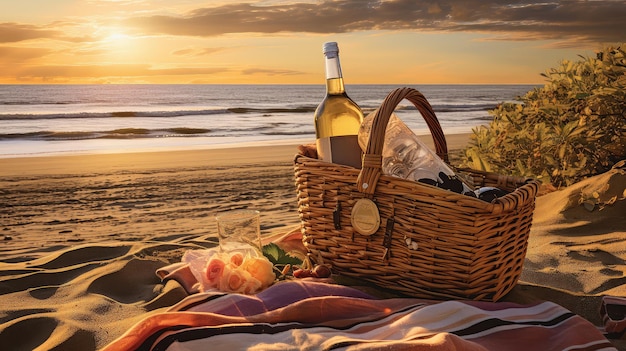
(159,41)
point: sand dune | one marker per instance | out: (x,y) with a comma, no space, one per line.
(584,246)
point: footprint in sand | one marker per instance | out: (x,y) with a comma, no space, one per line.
(81,255)
(127,282)
(21,336)
(611,272)
(57,269)
(596,255)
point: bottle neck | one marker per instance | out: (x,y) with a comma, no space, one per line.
(334,79)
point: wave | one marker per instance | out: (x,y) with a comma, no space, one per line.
(178,113)
(235,110)
(152,114)
(302,109)
(454,107)
(21,103)
(141,133)
(123,133)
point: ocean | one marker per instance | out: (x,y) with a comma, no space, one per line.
(42,120)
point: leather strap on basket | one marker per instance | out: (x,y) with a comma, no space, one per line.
(372,159)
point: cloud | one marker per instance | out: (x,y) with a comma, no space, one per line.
(10,54)
(196,51)
(271,72)
(104,72)
(593,21)
(111,70)
(15,32)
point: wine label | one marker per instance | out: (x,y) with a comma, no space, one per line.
(344,150)
(365,217)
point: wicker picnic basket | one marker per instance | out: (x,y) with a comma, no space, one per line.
(466,248)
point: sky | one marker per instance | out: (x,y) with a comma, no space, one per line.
(280,42)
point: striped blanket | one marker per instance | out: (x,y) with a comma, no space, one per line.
(310,315)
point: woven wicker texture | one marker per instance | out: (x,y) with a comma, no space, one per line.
(441,245)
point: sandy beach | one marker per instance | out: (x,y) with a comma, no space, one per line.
(82,236)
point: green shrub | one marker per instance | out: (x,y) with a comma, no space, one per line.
(571,128)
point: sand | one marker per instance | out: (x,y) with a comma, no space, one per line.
(82,236)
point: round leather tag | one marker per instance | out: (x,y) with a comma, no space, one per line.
(365,217)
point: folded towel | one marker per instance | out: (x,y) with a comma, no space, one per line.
(295,315)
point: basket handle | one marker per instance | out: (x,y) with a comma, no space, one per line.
(372,159)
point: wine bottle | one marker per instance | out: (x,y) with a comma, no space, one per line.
(337,118)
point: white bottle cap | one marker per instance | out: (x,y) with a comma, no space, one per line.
(329,47)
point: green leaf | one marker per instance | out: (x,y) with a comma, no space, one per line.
(562,150)
(478,162)
(278,256)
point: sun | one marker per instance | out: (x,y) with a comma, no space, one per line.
(117,38)
(119,46)
(113,35)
